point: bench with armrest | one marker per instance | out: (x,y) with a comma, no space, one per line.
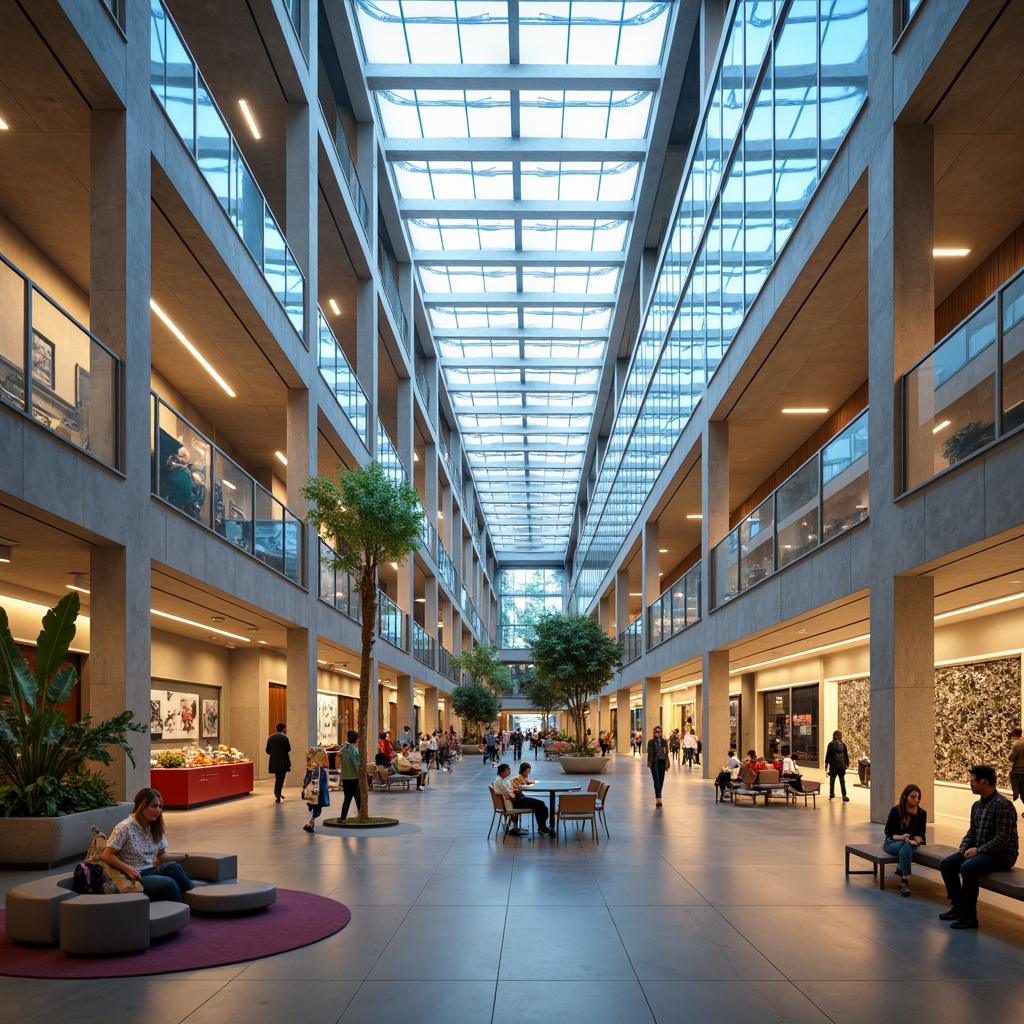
(375,781)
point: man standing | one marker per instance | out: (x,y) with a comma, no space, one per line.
(490,747)
(405,737)
(837,760)
(990,845)
(349,758)
(280,764)
(689,749)
(1017,763)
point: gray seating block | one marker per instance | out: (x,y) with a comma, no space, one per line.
(102,925)
(236,897)
(211,867)
(167,917)
(33,911)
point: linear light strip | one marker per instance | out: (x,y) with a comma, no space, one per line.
(199,625)
(173,328)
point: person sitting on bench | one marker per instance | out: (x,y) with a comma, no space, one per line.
(409,762)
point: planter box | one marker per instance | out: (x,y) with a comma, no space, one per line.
(471,748)
(43,842)
(583,765)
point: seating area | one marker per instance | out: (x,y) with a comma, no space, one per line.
(767,785)
(575,806)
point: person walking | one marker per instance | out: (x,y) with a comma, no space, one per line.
(674,745)
(657,762)
(491,747)
(1017,764)
(316,766)
(689,749)
(905,832)
(279,748)
(837,760)
(349,759)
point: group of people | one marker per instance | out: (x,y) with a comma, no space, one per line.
(503,740)
(512,787)
(685,746)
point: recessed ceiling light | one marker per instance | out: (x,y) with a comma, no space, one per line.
(799,410)
(281,458)
(801,630)
(264,642)
(249,119)
(79,582)
(421,600)
(173,328)
(216,618)
(631,594)
(199,625)
(950,252)
(695,515)
(394,565)
(3,125)
(662,551)
(977,607)
(334,307)
(941,426)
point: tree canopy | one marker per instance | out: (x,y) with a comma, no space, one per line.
(476,705)
(482,666)
(576,657)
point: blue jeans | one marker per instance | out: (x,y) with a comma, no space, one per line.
(904,851)
(658,774)
(167,881)
(961,877)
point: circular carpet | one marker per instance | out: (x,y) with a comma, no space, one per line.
(296,919)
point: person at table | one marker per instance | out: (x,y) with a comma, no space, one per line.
(410,762)
(657,762)
(519,799)
(137,846)
(503,787)
(989,845)
(905,832)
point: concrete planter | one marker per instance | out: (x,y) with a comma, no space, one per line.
(583,765)
(471,748)
(43,842)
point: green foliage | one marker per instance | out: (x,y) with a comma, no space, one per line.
(371,520)
(968,439)
(576,657)
(476,705)
(42,755)
(482,666)
(542,694)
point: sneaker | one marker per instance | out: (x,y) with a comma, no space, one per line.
(904,888)
(953,914)
(307,828)
(965,922)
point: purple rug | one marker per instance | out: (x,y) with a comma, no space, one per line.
(296,919)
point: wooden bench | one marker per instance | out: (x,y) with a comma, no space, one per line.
(374,781)
(877,857)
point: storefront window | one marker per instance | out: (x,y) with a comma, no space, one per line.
(734,722)
(791,720)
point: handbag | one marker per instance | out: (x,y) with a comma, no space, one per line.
(115,880)
(311,790)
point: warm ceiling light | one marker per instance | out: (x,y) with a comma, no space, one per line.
(264,642)
(228,484)
(173,328)
(941,426)
(394,565)
(281,458)
(695,515)
(631,594)
(415,457)
(334,307)
(950,252)
(3,125)
(79,582)
(977,607)
(249,119)
(662,551)
(421,600)
(440,515)
(5,552)
(199,625)
(802,410)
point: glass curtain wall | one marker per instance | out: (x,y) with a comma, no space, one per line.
(526,595)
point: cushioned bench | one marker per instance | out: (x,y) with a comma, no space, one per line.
(236,896)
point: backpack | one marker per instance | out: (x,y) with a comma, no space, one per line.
(88,879)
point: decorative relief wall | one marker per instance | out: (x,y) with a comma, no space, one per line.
(855,718)
(975,707)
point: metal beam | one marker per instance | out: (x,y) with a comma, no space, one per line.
(519,257)
(516,209)
(498,363)
(501,150)
(524,334)
(506,77)
(516,299)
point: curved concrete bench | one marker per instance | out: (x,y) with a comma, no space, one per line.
(232,897)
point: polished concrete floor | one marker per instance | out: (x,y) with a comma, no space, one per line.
(731,914)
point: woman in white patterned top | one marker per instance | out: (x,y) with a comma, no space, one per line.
(137,846)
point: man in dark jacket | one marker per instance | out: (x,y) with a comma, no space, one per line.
(280,765)
(837,760)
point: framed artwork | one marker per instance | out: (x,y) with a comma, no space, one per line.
(178,713)
(211,718)
(43,360)
(326,719)
(81,387)
(156,718)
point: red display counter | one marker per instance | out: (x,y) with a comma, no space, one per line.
(189,787)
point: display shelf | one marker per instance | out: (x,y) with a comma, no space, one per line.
(190,787)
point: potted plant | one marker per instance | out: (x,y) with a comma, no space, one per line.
(476,705)
(576,658)
(49,798)
(371,519)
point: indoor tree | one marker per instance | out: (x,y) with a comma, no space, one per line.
(476,705)
(543,696)
(482,665)
(370,519)
(576,657)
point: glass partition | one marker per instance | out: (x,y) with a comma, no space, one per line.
(444,664)
(633,640)
(831,488)
(183,93)
(338,588)
(54,370)
(337,371)
(422,645)
(677,608)
(194,476)
(394,296)
(950,402)
(390,620)
(387,456)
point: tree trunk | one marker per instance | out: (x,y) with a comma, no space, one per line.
(368,595)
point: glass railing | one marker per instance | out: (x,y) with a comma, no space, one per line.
(677,608)
(116,8)
(908,8)
(444,664)
(190,107)
(197,478)
(453,470)
(54,370)
(968,391)
(390,621)
(387,456)
(422,387)
(633,640)
(446,567)
(825,497)
(427,532)
(293,8)
(394,296)
(341,379)
(422,645)
(338,588)
(348,165)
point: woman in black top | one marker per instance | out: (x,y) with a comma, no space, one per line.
(905,831)
(657,761)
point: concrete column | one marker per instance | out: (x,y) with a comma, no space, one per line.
(249,709)
(748,714)
(430,499)
(622,729)
(404,440)
(366,355)
(301,452)
(447,620)
(621,601)
(366,171)
(604,714)
(902,691)
(301,214)
(650,581)
(714,726)
(404,698)
(650,694)
(444,526)
(594,720)
(714,500)
(430,619)
(301,695)
(429,722)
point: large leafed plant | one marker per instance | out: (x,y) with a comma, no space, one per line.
(42,754)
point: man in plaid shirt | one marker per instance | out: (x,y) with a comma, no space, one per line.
(990,845)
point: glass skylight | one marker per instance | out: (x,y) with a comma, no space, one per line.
(519,259)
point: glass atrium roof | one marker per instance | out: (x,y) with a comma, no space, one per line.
(516,135)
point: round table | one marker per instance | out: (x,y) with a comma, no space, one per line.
(552,789)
